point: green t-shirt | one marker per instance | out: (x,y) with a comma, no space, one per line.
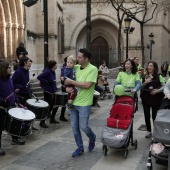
(88,74)
(161,79)
(127,80)
(169,68)
(139,67)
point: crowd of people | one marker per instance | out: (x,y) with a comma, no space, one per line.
(79,81)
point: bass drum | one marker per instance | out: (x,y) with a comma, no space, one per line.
(60,99)
(19,122)
(39,107)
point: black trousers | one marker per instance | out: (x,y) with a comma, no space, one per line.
(3,113)
(146,109)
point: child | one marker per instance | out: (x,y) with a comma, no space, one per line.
(69,72)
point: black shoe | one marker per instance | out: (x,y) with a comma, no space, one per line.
(17,142)
(33,128)
(43,125)
(2,153)
(63,119)
(52,120)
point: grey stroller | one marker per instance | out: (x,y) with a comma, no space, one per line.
(161,135)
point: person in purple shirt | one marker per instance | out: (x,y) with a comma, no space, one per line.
(48,83)
(21,78)
(8,99)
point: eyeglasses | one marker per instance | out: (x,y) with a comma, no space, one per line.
(9,67)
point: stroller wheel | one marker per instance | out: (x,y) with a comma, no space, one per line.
(136,144)
(105,150)
(126,153)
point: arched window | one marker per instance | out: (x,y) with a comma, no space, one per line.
(60,37)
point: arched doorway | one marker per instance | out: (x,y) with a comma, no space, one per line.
(99,51)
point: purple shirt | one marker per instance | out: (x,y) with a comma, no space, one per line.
(48,80)
(7,88)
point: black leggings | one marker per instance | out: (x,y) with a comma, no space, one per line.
(146,109)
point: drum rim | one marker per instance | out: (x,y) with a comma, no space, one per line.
(19,118)
(37,106)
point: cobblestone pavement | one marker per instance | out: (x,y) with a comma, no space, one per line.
(51,149)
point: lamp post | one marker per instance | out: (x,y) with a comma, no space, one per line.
(151,37)
(127,27)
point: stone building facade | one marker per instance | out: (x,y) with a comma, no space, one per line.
(67,32)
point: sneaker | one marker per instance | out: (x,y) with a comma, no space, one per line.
(69,106)
(77,152)
(92,144)
(148,134)
(17,142)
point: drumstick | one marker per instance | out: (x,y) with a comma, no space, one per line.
(16,91)
(22,106)
(35,97)
(30,80)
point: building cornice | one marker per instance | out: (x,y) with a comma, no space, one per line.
(40,35)
(158,25)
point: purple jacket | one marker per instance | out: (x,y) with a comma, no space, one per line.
(48,80)
(7,88)
(20,79)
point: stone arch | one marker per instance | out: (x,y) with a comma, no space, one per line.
(82,24)
(11,27)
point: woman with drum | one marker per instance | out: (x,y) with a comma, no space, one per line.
(48,83)
(8,99)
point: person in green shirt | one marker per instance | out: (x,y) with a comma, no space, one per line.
(129,78)
(136,60)
(169,70)
(86,77)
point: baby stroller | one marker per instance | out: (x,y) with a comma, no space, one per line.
(118,132)
(160,144)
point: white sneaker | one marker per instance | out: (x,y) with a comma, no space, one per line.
(148,134)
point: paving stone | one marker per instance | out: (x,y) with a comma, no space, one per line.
(57,156)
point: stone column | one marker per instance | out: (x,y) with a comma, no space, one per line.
(15,39)
(9,40)
(3,51)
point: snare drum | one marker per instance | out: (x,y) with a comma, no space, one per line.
(39,107)
(19,122)
(60,99)
(95,98)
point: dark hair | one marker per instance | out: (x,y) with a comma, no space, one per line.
(155,72)
(51,63)
(103,61)
(3,69)
(86,53)
(65,59)
(100,72)
(134,68)
(23,60)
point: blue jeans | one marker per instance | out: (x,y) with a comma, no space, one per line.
(79,120)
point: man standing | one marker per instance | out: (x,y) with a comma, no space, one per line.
(86,77)
(21,51)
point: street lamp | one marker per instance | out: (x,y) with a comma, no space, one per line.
(127,27)
(151,37)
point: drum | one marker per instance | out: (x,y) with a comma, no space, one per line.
(19,122)
(39,107)
(60,99)
(95,97)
